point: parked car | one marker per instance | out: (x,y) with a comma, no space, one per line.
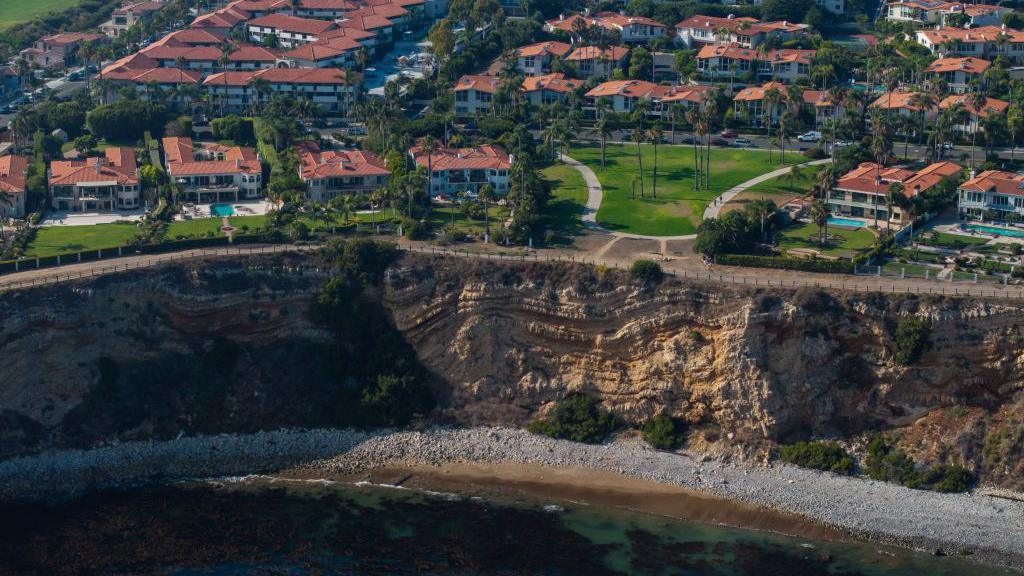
(812,136)
(742,143)
(728,134)
(719,142)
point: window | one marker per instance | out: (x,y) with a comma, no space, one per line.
(461,96)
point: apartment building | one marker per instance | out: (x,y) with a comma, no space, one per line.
(202,58)
(732,61)
(863,192)
(106,183)
(288,31)
(985,42)
(158,85)
(57,51)
(549,89)
(536,59)
(474,93)
(332,173)
(753,105)
(336,52)
(974,114)
(208,172)
(698,31)
(935,12)
(330,88)
(825,111)
(460,170)
(595,62)
(902,103)
(960,74)
(223,20)
(622,96)
(993,195)
(631,29)
(128,15)
(13,170)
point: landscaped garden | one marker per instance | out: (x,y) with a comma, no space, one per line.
(677,208)
(842,242)
(53,240)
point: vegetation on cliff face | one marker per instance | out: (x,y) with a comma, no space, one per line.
(912,338)
(664,432)
(888,463)
(366,375)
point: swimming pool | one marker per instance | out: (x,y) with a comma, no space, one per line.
(993,230)
(222,210)
(846,222)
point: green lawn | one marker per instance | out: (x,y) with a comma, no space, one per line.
(101,145)
(53,240)
(843,243)
(678,208)
(780,189)
(200,227)
(14,12)
(441,217)
(568,200)
(956,240)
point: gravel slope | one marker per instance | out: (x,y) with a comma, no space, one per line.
(992,528)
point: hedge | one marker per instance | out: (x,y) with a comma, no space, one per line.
(780,263)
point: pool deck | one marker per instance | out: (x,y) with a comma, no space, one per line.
(251,208)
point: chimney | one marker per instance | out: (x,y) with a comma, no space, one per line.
(561,17)
(730,16)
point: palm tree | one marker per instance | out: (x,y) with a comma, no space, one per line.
(638,137)
(795,174)
(656,134)
(693,118)
(763,210)
(977,102)
(605,127)
(819,215)
(895,196)
(772,99)
(924,102)
(226,48)
(430,146)
(486,194)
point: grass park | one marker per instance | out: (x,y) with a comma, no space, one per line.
(14,12)
(843,242)
(677,208)
(780,189)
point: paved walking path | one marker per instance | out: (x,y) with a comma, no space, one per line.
(713,209)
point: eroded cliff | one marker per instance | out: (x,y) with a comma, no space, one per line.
(227,346)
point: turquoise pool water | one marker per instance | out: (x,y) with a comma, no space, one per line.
(222,210)
(993,230)
(845,222)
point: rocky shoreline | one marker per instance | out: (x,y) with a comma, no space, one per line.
(992,529)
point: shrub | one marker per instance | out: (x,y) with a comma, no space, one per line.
(827,456)
(815,153)
(298,231)
(646,271)
(579,418)
(414,229)
(912,338)
(126,120)
(664,432)
(890,464)
(801,264)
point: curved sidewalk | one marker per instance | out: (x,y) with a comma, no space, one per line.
(713,209)
(595,193)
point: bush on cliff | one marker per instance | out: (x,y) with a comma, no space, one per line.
(664,432)
(912,338)
(578,418)
(646,271)
(827,456)
(890,464)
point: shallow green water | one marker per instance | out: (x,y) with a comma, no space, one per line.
(247,528)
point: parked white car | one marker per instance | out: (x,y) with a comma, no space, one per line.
(742,143)
(812,136)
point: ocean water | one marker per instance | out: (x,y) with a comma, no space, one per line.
(244,528)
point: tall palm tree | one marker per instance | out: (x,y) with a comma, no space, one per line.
(820,215)
(605,127)
(924,102)
(486,195)
(638,137)
(655,133)
(977,102)
(430,146)
(693,118)
(772,100)
(895,196)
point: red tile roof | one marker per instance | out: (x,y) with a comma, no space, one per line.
(185,158)
(871,178)
(253,54)
(974,35)
(366,22)
(12,174)
(192,37)
(992,105)
(128,67)
(610,54)
(895,101)
(553,82)
(189,53)
(292,24)
(64,38)
(390,11)
(117,165)
(488,84)
(757,93)
(965,65)
(323,49)
(607,20)
(353,33)
(479,158)
(166,76)
(279,76)
(544,48)
(996,181)
(715,23)
(336,163)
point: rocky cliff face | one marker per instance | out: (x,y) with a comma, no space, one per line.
(747,368)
